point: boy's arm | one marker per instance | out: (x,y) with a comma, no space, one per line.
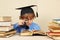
(20,22)
(15,26)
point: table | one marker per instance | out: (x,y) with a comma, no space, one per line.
(17,37)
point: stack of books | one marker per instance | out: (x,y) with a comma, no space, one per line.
(54,28)
(5,25)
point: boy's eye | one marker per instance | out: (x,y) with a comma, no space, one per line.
(28,18)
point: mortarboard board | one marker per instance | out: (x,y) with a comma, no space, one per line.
(27,9)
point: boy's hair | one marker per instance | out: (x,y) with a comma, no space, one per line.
(28,10)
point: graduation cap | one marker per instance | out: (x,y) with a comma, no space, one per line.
(27,9)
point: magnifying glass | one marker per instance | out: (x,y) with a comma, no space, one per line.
(26,27)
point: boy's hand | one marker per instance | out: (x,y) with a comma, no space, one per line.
(21,22)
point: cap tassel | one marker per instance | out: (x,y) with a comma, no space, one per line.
(36,14)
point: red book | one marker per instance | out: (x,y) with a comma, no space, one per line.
(53,33)
(54,29)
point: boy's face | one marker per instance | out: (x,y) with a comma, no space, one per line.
(28,18)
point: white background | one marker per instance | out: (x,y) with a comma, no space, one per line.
(47,9)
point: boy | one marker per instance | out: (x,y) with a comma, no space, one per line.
(26,20)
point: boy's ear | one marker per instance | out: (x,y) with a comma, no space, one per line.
(19,17)
(36,14)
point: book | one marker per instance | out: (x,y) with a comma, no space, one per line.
(1,19)
(56,37)
(7,33)
(56,20)
(54,24)
(12,31)
(26,33)
(53,33)
(5,24)
(54,29)
(2,35)
(5,18)
(32,33)
(6,28)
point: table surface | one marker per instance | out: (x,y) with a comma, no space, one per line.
(17,37)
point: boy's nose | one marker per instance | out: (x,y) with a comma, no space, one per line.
(26,20)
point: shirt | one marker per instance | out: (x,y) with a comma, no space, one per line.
(33,26)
